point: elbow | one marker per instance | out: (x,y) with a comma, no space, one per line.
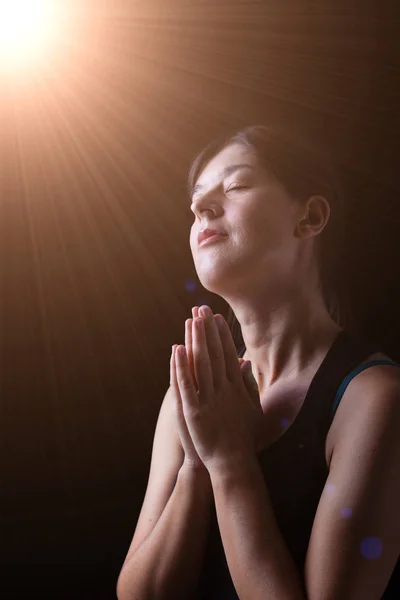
(127,590)
(121,591)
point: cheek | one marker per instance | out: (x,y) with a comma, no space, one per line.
(259,222)
(193,238)
(269,209)
(265,229)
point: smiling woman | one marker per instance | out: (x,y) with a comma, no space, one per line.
(299,459)
(289,491)
(304,170)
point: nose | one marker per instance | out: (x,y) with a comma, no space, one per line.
(206,203)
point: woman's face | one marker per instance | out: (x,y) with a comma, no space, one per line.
(237,197)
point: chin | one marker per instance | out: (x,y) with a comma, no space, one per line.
(217,280)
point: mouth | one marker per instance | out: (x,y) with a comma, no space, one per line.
(212,239)
(209,234)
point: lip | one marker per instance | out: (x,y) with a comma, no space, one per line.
(209,234)
(212,239)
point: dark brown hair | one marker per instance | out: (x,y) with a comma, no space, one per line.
(304,170)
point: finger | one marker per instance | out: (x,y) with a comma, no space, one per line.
(214,346)
(201,360)
(189,347)
(185,381)
(184,434)
(195,312)
(232,367)
(171,368)
(173,379)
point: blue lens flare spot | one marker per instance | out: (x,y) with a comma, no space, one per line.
(190,285)
(371,548)
(285,423)
(330,488)
(346,512)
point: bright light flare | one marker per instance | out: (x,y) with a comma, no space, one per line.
(27,29)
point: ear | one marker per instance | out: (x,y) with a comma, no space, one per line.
(315,215)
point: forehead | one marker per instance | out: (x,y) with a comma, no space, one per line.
(234,154)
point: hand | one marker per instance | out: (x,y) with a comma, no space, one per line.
(224,416)
(191,459)
(189,350)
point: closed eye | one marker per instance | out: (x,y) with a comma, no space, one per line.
(237,187)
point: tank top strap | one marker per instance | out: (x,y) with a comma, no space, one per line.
(345,355)
(353,373)
(241,352)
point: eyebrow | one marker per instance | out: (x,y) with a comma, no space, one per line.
(224,173)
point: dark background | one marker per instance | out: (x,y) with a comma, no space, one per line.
(96,276)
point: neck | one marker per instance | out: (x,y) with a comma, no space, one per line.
(282,341)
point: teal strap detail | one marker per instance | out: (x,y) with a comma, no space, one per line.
(349,377)
(241,352)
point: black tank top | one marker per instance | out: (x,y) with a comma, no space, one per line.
(295,471)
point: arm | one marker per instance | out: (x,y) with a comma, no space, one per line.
(164,558)
(355,541)
(167,564)
(260,564)
(364,476)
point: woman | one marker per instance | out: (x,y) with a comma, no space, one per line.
(276,491)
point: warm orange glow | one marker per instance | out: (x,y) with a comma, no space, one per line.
(27,28)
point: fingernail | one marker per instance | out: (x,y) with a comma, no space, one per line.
(205,311)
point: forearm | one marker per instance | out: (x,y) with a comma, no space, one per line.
(260,564)
(167,564)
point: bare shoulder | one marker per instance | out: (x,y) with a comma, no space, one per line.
(356,521)
(372,397)
(375,388)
